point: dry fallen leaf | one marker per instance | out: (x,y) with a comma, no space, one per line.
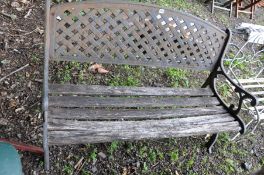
(102,70)
(40,31)
(24,1)
(124,171)
(27,74)
(28,13)
(207,136)
(12,103)
(98,68)
(15,4)
(3,121)
(19,109)
(94,67)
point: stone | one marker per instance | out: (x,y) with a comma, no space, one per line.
(94,169)
(102,155)
(247,165)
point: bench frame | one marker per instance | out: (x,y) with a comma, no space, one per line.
(210,82)
(250,83)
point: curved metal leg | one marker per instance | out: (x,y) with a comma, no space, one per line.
(211,142)
(212,7)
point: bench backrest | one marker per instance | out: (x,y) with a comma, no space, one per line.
(134,34)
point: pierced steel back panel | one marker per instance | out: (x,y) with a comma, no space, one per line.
(135,34)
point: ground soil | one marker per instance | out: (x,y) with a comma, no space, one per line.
(21,43)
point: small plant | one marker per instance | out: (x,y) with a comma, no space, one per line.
(224,90)
(113,147)
(223,140)
(240,65)
(261,57)
(145,167)
(143,152)
(262,161)
(229,166)
(174,155)
(227,63)
(205,160)
(224,19)
(160,155)
(84,172)
(68,169)
(35,58)
(177,77)
(81,76)
(152,155)
(190,162)
(41,163)
(127,81)
(93,155)
(64,74)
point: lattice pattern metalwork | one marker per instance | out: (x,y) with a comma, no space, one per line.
(133,34)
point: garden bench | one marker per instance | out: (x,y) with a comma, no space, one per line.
(134,34)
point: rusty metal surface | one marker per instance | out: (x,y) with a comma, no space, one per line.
(135,34)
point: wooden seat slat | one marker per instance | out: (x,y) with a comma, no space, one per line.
(82,102)
(129,114)
(133,91)
(68,132)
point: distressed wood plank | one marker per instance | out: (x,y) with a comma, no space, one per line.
(125,114)
(60,124)
(77,101)
(136,132)
(132,91)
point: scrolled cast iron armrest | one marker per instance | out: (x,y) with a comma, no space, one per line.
(243,94)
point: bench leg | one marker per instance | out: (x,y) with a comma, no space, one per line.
(212,7)
(211,142)
(231,9)
(45,143)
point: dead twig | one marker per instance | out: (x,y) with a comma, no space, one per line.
(21,68)
(79,165)
(24,34)
(12,16)
(28,13)
(3,121)
(18,30)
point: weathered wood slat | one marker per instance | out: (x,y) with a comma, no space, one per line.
(131,91)
(60,124)
(80,101)
(125,114)
(137,131)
